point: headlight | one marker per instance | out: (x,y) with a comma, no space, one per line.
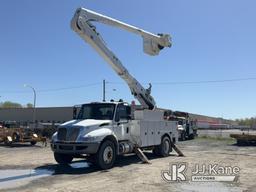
(89,138)
(54,136)
(35,135)
(9,138)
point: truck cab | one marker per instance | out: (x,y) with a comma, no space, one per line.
(95,122)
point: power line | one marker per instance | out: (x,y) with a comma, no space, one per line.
(155,83)
(69,88)
(207,81)
(55,89)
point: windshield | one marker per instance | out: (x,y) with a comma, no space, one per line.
(98,111)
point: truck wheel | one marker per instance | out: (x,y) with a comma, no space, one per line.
(191,136)
(9,143)
(183,136)
(156,151)
(33,142)
(165,147)
(106,155)
(241,143)
(63,159)
(15,137)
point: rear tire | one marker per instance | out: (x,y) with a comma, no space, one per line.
(191,136)
(106,155)
(33,142)
(63,159)
(156,151)
(165,147)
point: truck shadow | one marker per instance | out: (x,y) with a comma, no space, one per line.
(84,167)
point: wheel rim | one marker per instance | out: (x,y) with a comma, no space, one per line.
(166,146)
(108,154)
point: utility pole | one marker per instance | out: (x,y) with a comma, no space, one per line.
(104,90)
(34,108)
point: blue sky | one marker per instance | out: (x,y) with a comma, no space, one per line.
(212,40)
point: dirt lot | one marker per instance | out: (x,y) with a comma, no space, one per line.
(26,168)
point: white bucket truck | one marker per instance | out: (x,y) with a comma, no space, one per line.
(103,130)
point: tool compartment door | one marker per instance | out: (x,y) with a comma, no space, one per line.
(139,133)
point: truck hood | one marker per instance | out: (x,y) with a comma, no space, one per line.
(85,123)
(86,130)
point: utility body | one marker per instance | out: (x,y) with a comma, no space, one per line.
(103,130)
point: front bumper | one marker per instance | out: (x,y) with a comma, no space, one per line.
(75,147)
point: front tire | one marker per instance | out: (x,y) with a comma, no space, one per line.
(183,136)
(63,159)
(106,155)
(8,143)
(15,137)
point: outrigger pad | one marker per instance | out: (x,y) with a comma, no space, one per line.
(141,155)
(177,149)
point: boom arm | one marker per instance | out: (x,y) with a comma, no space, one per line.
(152,44)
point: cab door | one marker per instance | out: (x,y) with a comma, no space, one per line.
(122,122)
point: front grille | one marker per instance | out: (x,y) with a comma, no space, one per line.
(68,134)
(73,134)
(62,134)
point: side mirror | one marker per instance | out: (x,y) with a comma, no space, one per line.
(74,112)
(117,118)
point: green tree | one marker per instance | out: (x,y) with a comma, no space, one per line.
(30,105)
(9,104)
(247,121)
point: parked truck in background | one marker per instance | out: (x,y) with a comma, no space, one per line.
(187,127)
(11,132)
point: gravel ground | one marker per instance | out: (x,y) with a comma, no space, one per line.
(26,168)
